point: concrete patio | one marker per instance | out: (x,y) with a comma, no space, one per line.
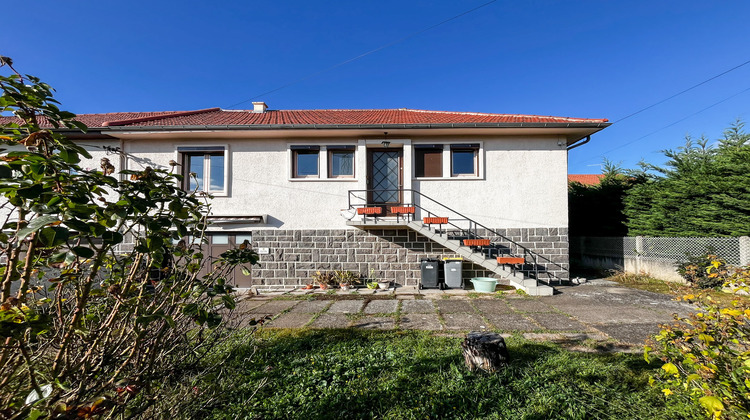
(599,313)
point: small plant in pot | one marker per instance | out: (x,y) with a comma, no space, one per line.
(345,279)
(373,282)
(324,279)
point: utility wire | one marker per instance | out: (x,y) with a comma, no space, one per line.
(365,54)
(670,125)
(680,93)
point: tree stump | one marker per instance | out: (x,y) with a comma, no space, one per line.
(485,351)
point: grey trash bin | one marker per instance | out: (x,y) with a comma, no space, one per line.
(453,277)
(430,274)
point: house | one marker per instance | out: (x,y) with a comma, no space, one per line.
(350,189)
(586,179)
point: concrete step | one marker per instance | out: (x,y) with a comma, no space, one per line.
(517,280)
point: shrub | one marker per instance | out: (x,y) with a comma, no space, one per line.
(706,271)
(89,328)
(707,355)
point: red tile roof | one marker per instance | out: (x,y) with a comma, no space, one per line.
(586,179)
(220,117)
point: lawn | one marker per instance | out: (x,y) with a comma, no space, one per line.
(323,374)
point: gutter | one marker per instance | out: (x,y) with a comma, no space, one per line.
(343,126)
(579,143)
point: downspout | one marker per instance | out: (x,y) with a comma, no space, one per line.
(574,145)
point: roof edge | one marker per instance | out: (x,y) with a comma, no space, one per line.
(157,117)
(599,125)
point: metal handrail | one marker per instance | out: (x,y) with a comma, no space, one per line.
(474,233)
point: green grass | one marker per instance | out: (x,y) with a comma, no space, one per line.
(321,374)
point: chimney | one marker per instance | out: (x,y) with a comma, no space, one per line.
(259,107)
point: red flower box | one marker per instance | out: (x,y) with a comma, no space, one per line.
(477,242)
(435,220)
(510,260)
(369,210)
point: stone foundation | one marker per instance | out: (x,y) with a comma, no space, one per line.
(394,255)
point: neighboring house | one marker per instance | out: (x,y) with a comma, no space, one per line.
(586,179)
(295,183)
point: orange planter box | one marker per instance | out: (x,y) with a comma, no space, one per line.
(369,210)
(476,242)
(510,260)
(435,220)
(402,210)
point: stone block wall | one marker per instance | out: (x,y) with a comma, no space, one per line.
(395,255)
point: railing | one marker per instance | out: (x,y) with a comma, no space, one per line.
(471,232)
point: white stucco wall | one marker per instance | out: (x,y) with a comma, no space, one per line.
(522,180)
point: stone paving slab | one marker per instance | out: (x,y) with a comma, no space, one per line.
(418,307)
(274,306)
(511,322)
(375,323)
(557,322)
(631,333)
(431,293)
(248,305)
(530,305)
(596,313)
(415,321)
(492,306)
(451,306)
(346,306)
(311,306)
(328,320)
(469,322)
(290,320)
(381,306)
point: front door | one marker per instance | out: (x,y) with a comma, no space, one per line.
(384,177)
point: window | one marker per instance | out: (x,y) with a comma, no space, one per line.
(341,162)
(428,160)
(209,166)
(305,161)
(464,159)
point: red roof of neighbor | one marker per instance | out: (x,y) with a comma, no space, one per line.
(220,117)
(586,179)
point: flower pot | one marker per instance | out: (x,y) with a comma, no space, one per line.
(384,284)
(344,286)
(372,285)
(323,286)
(484,284)
(308,287)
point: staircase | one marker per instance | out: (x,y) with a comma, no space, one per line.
(451,232)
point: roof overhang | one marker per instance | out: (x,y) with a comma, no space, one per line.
(571,131)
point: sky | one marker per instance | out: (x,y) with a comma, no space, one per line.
(585,59)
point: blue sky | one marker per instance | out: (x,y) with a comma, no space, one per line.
(592,59)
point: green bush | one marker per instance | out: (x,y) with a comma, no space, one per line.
(90,328)
(707,355)
(706,271)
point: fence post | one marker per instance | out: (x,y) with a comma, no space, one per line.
(744,250)
(638,253)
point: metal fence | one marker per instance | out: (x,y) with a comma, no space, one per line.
(735,251)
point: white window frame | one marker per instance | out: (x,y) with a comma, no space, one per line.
(183,150)
(475,151)
(448,161)
(324,170)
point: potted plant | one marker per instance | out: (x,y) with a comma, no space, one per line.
(324,279)
(345,279)
(372,281)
